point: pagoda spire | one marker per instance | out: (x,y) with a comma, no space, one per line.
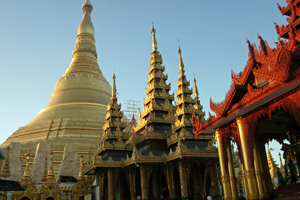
(158,110)
(181,66)
(185,107)
(113,137)
(26,171)
(50,175)
(114,88)
(80,175)
(86,25)
(154,43)
(270,163)
(6,167)
(197,104)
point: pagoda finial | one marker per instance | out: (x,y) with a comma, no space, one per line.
(26,171)
(196,94)
(80,167)
(114,88)
(154,43)
(270,163)
(86,25)
(50,169)
(181,66)
(6,167)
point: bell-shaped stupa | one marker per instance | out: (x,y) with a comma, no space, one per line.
(77,107)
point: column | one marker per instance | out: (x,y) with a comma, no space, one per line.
(144,182)
(111,184)
(232,178)
(259,172)
(224,172)
(170,180)
(265,167)
(215,179)
(183,181)
(245,182)
(155,184)
(248,166)
(132,185)
(121,191)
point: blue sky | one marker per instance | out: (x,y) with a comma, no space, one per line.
(37,40)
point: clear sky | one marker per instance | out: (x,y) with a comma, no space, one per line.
(37,40)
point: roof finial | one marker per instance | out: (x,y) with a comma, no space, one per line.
(181,66)
(196,94)
(154,43)
(26,171)
(114,88)
(86,25)
(50,169)
(80,167)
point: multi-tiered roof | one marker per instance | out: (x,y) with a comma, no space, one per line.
(113,140)
(157,115)
(186,107)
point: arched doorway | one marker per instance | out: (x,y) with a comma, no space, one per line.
(50,198)
(81,198)
(25,198)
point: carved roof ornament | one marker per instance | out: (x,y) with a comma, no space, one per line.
(154,43)
(26,171)
(181,65)
(114,88)
(262,46)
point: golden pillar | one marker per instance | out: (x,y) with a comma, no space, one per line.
(224,172)
(132,176)
(232,178)
(121,191)
(170,179)
(215,179)
(259,170)
(111,184)
(183,181)
(265,166)
(248,166)
(144,182)
(155,184)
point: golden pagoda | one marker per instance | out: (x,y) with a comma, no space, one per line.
(77,107)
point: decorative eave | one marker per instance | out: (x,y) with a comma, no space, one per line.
(156,66)
(161,95)
(159,85)
(138,158)
(286,10)
(159,75)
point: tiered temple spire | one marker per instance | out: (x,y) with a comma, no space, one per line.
(113,137)
(157,115)
(186,106)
